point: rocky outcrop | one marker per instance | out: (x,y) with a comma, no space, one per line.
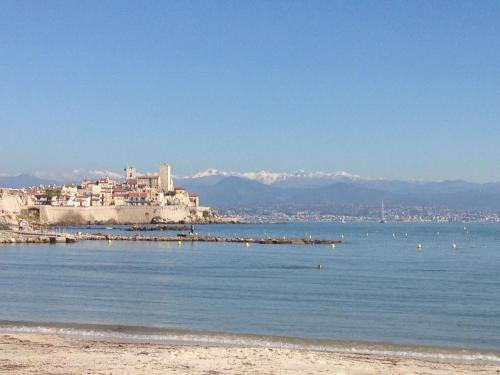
(8,221)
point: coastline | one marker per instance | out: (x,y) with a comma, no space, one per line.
(152,335)
(227,350)
(27,353)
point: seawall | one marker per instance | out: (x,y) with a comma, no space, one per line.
(119,214)
(9,204)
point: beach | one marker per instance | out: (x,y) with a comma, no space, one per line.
(378,305)
(34,353)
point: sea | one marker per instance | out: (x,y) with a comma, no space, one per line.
(422,290)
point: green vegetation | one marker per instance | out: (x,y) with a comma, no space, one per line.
(4,227)
(52,192)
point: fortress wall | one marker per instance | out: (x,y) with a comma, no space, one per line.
(112,214)
(9,204)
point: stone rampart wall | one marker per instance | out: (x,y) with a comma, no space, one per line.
(116,214)
(9,204)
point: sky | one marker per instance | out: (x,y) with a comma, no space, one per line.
(392,89)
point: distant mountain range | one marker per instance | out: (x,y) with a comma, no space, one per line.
(320,191)
(300,177)
(237,192)
(23,180)
(48,178)
(334,192)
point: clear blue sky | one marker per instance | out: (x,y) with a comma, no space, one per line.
(383,89)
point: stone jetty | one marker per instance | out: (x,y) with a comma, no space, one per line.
(11,236)
(157,227)
(200,238)
(47,237)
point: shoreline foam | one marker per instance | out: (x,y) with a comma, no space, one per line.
(180,337)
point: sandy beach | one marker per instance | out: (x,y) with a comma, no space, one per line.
(23,353)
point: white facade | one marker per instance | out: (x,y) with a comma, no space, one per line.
(166,183)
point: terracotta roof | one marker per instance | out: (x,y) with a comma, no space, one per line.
(137,194)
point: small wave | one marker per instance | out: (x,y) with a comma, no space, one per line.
(290,267)
(164,336)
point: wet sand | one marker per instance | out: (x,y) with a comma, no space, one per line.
(29,353)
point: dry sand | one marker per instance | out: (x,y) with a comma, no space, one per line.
(23,353)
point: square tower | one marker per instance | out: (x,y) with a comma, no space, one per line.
(130,173)
(165,181)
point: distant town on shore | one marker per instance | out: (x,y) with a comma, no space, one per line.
(247,197)
(139,198)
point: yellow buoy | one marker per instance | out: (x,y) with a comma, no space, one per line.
(419,246)
(333,246)
(247,244)
(110,242)
(179,243)
(454,246)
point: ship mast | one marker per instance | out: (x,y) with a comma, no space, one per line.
(382,213)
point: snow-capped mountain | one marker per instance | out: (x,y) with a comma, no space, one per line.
(270,178)
(299,178)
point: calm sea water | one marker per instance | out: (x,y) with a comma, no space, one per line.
(376,286)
